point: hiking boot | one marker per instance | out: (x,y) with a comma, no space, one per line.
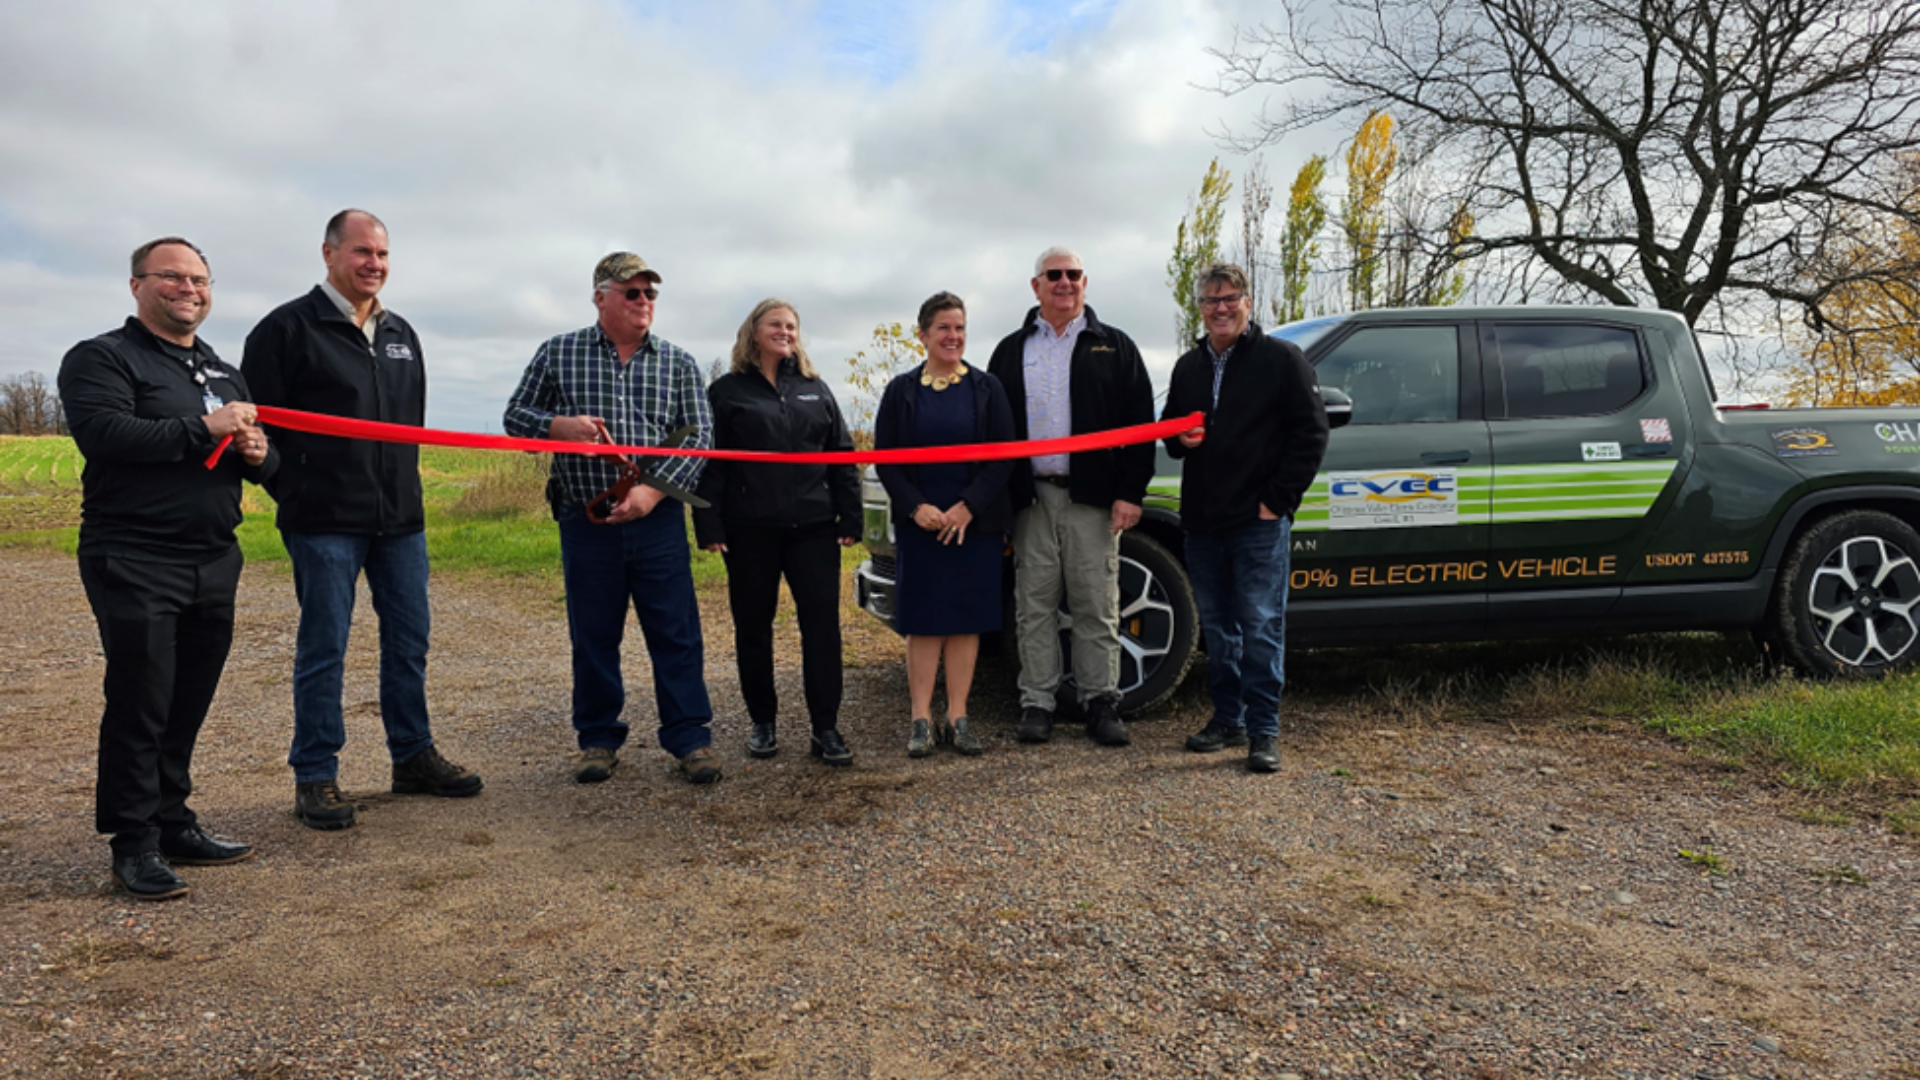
(595,765)
(1216,737)
(963,739)
(1103,723)
(1036,725)
(427,773)
(920,743)
(147,876)
(318,805)
(831,749)
(1263,754)
(763,742)
(699,766)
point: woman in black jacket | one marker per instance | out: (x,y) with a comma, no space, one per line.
(950,520)
(772,520)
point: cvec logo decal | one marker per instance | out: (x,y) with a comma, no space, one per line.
(1398,499)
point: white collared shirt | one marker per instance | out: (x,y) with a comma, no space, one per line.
(372,325)
(1047,363)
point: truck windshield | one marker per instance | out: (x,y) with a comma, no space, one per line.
(1307,331)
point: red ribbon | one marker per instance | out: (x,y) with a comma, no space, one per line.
(377,431)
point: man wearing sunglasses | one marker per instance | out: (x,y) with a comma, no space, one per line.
(1068,373)
(617,379)
(348,506)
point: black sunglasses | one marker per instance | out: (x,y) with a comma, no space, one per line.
(635,292)
(1071,273)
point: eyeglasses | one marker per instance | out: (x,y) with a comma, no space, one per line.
(635,292)
(1229,300)
(1071,273)
(174,278)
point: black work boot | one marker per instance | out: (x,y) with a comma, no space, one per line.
(1263,754)
(1215,737)
(427,773)
(764,742)
(1103,722)
(1036,725)
(318,805)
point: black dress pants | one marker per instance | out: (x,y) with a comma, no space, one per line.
(809,558)
(166,629)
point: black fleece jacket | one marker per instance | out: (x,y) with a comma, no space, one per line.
(1107,387)
(1264,439)
(136,412)
(797,415)
(307,355)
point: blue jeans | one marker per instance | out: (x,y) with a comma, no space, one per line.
(1240,586)
(645,562)
(325,568)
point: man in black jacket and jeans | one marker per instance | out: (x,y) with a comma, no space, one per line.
(1242,478)
(1068,373)
(348,505)
(147,404)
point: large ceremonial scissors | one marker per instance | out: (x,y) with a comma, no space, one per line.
(631,473)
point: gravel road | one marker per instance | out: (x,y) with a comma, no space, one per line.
(1402,900)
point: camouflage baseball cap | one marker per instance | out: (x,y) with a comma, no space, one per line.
(622,266)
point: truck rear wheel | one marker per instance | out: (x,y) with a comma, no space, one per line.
(1847,598)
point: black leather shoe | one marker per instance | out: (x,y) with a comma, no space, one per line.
(319,805)
(1216,737)
(1103,723)
(1263,754)
(764,742)
(194,847)
(147,876)
(831,749)
(428,773)
(1036,725)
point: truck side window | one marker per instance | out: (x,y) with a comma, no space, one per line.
(1548,370)
(1397,374)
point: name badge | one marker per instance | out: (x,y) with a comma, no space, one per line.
(212,401)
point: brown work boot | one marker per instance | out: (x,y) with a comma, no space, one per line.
(318,805)
(427,773)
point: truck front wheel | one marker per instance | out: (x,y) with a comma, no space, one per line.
(1847,598)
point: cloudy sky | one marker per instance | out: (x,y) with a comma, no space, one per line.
(852,156)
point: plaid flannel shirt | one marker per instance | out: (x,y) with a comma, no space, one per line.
(658,390)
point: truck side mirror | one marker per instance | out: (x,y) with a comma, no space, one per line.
(1339,406)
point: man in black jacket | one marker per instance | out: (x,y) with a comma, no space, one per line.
(348,505)
(1242,478)
(147,405)
(1068,373)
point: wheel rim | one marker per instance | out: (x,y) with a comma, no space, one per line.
(1862,599)
(1146,628)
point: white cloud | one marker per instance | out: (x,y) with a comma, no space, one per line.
(849,156)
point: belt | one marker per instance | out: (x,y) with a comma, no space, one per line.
(1056,481)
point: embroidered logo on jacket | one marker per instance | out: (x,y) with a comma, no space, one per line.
(399,352)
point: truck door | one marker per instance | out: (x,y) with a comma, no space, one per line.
(1395,526)
(1586,440)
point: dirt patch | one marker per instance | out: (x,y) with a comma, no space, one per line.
(1404,897)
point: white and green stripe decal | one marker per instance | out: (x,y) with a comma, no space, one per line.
(1517,493)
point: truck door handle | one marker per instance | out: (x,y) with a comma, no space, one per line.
(1446,457)
(1650,450)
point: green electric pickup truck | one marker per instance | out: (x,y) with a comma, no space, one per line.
(1552,472)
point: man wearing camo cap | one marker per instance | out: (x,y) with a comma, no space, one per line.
(618,376)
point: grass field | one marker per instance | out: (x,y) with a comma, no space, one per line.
(486,514)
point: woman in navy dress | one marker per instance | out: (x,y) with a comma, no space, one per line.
(950,520)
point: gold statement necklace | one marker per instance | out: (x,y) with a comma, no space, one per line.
(941,382)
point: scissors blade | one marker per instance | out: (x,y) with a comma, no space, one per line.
(668,488)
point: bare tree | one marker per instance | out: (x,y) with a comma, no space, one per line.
(1256,197)
(1705,156)
(28,406)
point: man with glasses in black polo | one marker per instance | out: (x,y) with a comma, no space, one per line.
(148,404)
(618,380)
(1068,373)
